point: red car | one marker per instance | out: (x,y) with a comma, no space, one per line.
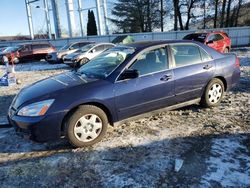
(217,40)
(29,51)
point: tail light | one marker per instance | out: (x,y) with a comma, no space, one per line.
(237,62)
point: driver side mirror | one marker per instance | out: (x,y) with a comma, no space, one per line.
(71,48)
(129,74)
(93,51)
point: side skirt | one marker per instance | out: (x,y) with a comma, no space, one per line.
(148,114)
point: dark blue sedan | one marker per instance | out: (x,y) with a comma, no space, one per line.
(123,82)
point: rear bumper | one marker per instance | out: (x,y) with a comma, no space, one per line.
(40,129)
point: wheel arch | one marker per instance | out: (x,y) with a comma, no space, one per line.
(97,104)
(224,81)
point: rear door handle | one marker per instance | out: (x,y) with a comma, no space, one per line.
(207,67)
(166,77)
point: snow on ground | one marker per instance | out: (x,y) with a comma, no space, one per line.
(213,143)
(226,166)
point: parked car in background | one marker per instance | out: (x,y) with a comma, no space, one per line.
(9,52)
(29,51)
(86,53)
(217,40)
(2,48)
(57,57)
(122,82)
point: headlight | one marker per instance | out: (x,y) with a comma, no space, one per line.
(36,109)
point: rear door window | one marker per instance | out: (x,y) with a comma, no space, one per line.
(218,37)
(185,54)
(99,48)
(40,46)
(82,44)
(205,56)
(107,46)
(75,46)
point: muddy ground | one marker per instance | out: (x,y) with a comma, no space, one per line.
(214,145)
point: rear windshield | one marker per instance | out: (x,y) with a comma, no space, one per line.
(200,37)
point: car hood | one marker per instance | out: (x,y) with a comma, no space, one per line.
(49,88)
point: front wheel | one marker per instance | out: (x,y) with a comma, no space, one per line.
(86,126)
(213,93)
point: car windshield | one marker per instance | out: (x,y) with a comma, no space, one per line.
(87,47)
(200,37)
(104,64)
(66,47)
(11,49)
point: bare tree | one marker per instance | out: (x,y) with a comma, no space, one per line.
(216,13)
(176,6)
(237,12)
(223,12)
(190,6)
(228,12)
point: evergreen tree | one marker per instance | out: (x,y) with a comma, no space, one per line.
(132,16)
(91,25)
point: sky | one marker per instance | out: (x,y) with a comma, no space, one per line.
(13,19)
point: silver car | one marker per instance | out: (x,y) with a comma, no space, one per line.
(86,53)
(57,57)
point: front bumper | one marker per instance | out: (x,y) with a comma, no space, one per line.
(40,129)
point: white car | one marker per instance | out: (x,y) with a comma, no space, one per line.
(86,53)
(57,57)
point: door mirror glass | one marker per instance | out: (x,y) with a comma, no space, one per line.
(129,74)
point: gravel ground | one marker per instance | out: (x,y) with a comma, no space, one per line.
(214,145)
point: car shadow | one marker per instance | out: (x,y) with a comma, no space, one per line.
(141,165)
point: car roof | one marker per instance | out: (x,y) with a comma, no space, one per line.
(87,42)
(147,44)
(35,43)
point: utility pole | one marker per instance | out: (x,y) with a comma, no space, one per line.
(80,16)
(56,19)
(29,17)
(99,18)
(204,15)
(105,16)
(162,25)
(71,17)
(46,9)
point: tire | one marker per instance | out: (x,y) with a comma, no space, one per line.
(213,93)
(226,50)
(86,126)
(82,62)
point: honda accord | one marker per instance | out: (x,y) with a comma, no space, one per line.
(123,82)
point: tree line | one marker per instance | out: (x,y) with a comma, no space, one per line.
(132,16)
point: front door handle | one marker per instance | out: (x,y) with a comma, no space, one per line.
(207,67)
(166,77)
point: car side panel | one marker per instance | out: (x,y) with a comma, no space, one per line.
(227,69)
(190,80)
(139,95)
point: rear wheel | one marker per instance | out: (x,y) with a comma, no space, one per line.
(86,126)
(213,93)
